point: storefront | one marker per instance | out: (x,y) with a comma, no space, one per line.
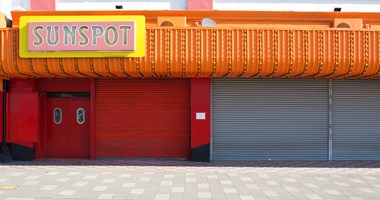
(249,86)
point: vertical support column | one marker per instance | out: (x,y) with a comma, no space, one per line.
(92,125)
(5,156)
(41,146)
(3,116)
(200,119)
(330,119)
(199,4)
(42,4)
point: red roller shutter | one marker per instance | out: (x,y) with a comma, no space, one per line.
(142,118)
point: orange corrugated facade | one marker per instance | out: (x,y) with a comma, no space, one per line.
(244,44)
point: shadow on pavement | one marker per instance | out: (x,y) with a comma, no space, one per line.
(186,163)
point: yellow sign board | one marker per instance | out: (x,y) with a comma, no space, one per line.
(82,36)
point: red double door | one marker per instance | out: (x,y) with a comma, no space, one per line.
(67,127)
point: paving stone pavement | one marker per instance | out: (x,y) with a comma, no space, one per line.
(177,179)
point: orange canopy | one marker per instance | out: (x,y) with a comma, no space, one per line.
(262,47)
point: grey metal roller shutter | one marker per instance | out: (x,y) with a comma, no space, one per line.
(356,120)
(260,119)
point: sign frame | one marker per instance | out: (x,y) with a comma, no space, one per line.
(140,38)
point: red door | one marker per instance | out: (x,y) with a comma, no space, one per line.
(67,127)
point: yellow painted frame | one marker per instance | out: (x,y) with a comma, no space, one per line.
(140,36)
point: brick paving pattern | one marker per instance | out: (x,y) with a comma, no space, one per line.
(168,179)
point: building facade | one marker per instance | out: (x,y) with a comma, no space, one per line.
(190,82)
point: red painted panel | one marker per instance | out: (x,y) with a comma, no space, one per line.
(200,102)
(199,4)
(23,117)
(63,85)
(67,139)
(22,85)
(42,4)
(142,119)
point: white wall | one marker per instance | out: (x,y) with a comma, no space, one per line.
(6,6)
(299,5)
(127,4)
(257,5)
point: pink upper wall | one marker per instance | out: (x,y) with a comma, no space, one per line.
(199,4)
(42,4)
